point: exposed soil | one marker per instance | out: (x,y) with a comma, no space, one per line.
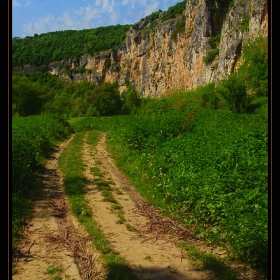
(57,239)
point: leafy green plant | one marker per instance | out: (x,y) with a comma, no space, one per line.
(131,100)
(107,63)
(174,11)
(108,102)
(254,67)
(68,44)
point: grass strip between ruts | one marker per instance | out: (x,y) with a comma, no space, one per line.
(71,166)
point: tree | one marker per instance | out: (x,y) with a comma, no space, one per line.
(27,96)
(108,102)
(131,100)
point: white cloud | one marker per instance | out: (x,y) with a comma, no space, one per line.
(28,3)
(151,8)
(98,2)
(114,16)
(124,2)
(40,26)
(75,20)
(16,3)
(88,13)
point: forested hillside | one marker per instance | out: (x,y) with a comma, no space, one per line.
(69,44)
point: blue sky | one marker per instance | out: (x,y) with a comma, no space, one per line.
(42,16)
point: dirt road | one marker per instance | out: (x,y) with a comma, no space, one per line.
(58,245)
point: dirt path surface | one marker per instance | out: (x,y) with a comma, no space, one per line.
(56,243)
(134,228)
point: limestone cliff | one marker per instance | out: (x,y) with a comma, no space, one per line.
(154,61)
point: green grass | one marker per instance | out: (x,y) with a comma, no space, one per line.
(55,272)
(130,227)
(208,261)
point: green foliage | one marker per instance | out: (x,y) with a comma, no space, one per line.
(246,90)
(33,139)
(108,102)
(245,23)
(179,28)
(155,15)
(131,100)
(175,10)
(80,70)
(107,63)
(215,5)
(92,111)
(233,89)
(27,96)
(254,68)
(69,44)
(214,41)
(211,55)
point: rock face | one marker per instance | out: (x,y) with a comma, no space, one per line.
(154,61)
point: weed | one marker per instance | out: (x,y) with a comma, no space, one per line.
(130,227)
(95,171)
(118,191)
(148,258)
(54,269)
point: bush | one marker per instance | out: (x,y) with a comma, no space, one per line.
(234,90)
(108,102)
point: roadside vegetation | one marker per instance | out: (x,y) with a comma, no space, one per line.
(199,155)
(33,141)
